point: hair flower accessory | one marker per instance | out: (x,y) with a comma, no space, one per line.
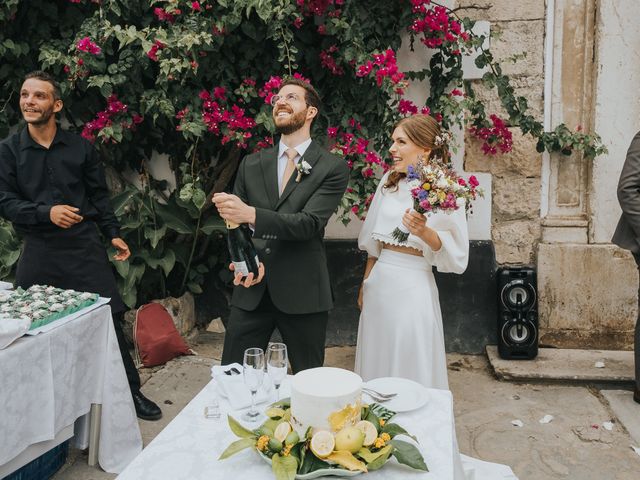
(442,139)
(303,168)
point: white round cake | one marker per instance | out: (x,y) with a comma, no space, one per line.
(318,393)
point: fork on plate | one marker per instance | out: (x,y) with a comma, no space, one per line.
(378,396)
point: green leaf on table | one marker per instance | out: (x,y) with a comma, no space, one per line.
(311,463)
(237,446)
(394,429)
(373,418)
(238,429)
(284,468)
(368,456)
(382,456)
(408,454)
(381,412)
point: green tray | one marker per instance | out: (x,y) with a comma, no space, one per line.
(63,313)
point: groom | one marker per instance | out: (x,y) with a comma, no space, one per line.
(286,194)
(627,234)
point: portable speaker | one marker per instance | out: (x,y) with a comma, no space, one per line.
(517,313)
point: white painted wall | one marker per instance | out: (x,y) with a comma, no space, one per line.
(617,106)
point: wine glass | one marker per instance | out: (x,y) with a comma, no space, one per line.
(277,364)
(253,370)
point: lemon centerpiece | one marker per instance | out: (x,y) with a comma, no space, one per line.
(355,438)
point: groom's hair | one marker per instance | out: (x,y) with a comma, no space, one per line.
(310,94)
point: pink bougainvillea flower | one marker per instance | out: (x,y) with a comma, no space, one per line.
(86,45)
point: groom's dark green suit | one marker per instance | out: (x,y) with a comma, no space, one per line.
(295,294)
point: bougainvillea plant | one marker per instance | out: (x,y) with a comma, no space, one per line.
(192,81)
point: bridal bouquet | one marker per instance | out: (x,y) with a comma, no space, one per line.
(435,187)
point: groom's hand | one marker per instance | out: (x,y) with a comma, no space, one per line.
(233,209)
(248,280)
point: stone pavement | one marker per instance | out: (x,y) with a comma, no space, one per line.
(574,445)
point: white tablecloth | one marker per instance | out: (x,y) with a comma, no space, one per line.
(188,448)
(50,380)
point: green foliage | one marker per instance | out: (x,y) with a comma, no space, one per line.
(10,247)
(159,65)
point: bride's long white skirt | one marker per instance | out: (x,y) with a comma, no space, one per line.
(400,335)
(400,331)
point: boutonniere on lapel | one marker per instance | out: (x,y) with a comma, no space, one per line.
(303,169)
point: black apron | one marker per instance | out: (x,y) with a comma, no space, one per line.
(72,258)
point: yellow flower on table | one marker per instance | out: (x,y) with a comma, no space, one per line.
(262,443)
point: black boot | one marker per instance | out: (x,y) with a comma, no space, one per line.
(145,408)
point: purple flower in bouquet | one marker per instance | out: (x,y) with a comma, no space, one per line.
(435,187)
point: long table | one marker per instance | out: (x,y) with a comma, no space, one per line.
(49,383)
(189,446)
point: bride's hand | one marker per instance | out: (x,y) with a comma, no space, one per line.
(360,298)
(415,222)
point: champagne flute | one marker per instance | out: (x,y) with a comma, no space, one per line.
(253,370)
(277,365)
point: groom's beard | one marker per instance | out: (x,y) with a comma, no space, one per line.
(294,123)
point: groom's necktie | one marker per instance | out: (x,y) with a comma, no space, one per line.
(291,154)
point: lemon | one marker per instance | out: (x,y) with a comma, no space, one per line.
(281,431)
(350,439)
(292,438)
(322,443)
(275,445)
(264,430)
(369,430)
(275,412)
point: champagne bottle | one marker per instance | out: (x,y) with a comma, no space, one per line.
(243,253)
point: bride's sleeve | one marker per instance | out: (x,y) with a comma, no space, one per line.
(365,239)
(453,255)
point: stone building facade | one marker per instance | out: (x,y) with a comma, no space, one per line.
(557,212)
(552,212)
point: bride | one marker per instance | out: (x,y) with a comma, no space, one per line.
(400,332)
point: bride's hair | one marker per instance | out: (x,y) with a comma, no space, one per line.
(425,132)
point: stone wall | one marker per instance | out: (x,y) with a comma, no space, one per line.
(516,176)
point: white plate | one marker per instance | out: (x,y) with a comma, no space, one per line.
(323,472)
(411,395)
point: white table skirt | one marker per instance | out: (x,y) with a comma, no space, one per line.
(50,380)
(188,448)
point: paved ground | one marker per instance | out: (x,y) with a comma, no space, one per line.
(574,445)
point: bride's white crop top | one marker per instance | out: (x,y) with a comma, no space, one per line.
(385,214)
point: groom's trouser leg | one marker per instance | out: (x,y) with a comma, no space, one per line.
(304,336)
(247,329)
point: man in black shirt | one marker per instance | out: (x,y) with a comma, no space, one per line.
(53,190)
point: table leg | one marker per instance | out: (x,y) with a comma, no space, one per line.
(94,433)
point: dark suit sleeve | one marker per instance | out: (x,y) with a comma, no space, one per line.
(13,206)
(96,186)
(313,217)
(629,186)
